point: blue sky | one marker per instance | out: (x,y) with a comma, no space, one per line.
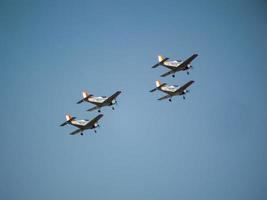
(210,146)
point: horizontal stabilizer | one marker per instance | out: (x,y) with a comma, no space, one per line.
(156,88)
(160,63)
(82,100)
(68,121)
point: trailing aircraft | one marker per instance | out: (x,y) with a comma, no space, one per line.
(82,124)
(175,65)
(172,90)
(99,102)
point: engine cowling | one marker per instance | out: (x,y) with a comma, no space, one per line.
(96,125)
(114,102)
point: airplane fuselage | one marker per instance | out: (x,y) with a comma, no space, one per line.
(175,64)
(81,124)
(100,100)
(171,90)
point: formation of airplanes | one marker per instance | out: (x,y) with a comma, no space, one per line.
(173,66)
(99,102)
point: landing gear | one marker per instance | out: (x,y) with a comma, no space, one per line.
(113,108)
(173,75)
(94,130)
(187,72)
(170,100)
(81,133)
(99,111)
(183,97)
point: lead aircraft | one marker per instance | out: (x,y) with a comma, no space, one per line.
(175,65)
(172,90)
(99,102)
(82,124)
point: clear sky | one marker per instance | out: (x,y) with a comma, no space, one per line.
(213,145)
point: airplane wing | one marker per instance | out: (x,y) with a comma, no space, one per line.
(75,132)
(93,121)
(181,89)
(167,73)
(93,108)
(165,97)
(160,63)
(112,97)
(187,61)
(190,59)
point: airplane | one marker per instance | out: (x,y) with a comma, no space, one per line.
(82,124)
(172,90)
(99,102)
(175,65)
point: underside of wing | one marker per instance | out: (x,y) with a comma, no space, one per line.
(75,132)
(167,73)
(93,121)
(112,97)
(164,97)
(190,59)
(93,108)
(187,62)
(181,89)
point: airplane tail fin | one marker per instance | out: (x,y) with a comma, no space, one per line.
(160,58)
(85,96)
(158,86)
(158,83)
(69,118)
